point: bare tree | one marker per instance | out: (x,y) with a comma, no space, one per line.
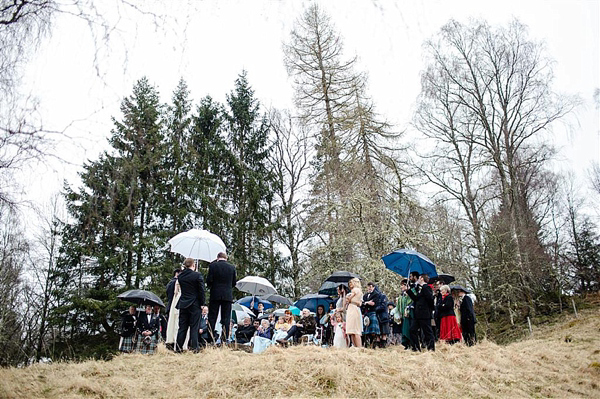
(289,162)
(487,103)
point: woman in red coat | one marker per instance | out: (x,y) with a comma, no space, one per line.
(449,328)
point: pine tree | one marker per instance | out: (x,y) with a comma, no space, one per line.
(249,186)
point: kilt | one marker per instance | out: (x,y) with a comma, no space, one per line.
(384,328)
(146,349)
(373,327)
(127,345)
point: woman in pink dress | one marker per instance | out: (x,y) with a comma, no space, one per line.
(353,316)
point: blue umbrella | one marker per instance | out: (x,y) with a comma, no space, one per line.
(247,300)
(311,301)
(404,261)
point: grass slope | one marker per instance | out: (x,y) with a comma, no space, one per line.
(558,361)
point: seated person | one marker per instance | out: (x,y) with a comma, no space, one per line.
(244,334)
(272,320)
(306,325)
(285,322)
(264,330)
(203,329)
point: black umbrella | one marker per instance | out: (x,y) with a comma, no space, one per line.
(330,288)
(277,299)
(459,288)
(141,297)
(444,278)
(341,277)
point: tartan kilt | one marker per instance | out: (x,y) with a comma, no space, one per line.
(373,327)
(146,349)
(127,344)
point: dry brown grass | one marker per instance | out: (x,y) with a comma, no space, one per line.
(559,361)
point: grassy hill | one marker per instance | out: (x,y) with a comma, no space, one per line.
(562,360)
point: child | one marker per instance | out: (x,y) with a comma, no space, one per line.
(339,331)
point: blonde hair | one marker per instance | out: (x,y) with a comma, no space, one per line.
(446,288)
(355,283)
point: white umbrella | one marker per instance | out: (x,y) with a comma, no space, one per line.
(241,312)
(256,286)
(197,244)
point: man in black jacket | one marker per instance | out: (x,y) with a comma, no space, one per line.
(423,307)
(244,334)
(128,325)
(467,319)
(147,328)
(221,279)
(189,305)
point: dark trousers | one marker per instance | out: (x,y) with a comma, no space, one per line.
(295,332)
(423,325)
(188,318)
(468,332)
(213,313)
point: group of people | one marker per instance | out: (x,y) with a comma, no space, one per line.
(426,313)
(422,315)
(189,323)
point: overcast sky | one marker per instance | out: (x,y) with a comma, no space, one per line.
(80,80)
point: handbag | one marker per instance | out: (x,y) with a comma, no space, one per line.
(366,321)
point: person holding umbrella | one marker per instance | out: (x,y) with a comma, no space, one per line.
(189,305)
(423,302)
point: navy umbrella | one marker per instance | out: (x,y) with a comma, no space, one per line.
(312,301)
(404,261)
(141,297)
(247,300)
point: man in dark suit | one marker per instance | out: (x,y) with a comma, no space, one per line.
(147,328)
(467,319)
(171,290)
(203,331)
(423,307)
(221,279)
(190,304)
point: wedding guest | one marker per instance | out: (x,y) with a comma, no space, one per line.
(449,328)
(353,301)
(339,331)
(128,324)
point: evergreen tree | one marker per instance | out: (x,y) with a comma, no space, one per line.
(115,221)
(249,186)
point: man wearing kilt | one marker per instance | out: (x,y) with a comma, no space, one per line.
(370,301)
(128,324)
(147,327)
